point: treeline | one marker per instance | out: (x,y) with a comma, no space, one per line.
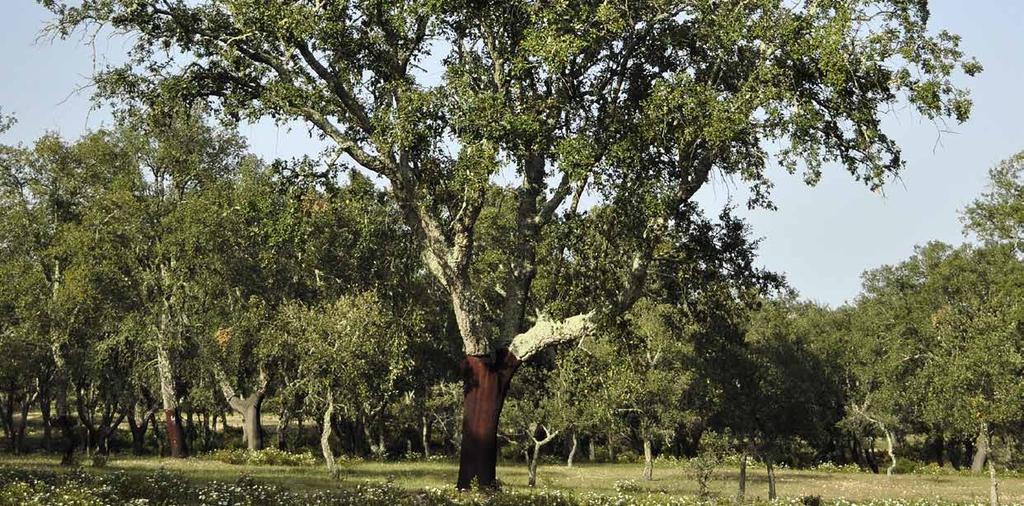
(157,277)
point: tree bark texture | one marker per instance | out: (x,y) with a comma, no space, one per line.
(172,419)
(425,435)
(741,493)
(531,480)
(611,448)
(485,385)
(325,438)
(250,407)
(980,452)
(994,489)
(572,450)
(648,460)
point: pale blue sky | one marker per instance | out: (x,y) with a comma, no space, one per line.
(822,238)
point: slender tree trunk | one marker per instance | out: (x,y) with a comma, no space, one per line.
(869,456)
(980,452)
(532,474)
(892,453)
(44,410)
(611,448)
(771,479)
(282,426)
(138,430)
(207,431)
(648,459)
(7,417)
(66,423)
(572,450)
(591,451)
(172,418)
(425,435)
(485,384)
(19,430)
(156,435)
(190,428)
(325,438)
(741,492)
(994,490)
(381,448)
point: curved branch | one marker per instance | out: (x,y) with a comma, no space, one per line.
(546,332)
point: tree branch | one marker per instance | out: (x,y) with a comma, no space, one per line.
(546,332)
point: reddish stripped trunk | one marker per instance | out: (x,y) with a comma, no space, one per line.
(175,434)
(485,384)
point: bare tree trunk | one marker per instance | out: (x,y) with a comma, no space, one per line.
(325,438)
(45,411)
(138,428)
(994,491)
(741,493)
(572,450)
(19,430)
(591,451)
(531,480)
(485,384)
(69,436)
(156,435)
(381,448)
(771,479)
(7,417)
(282,426)
(892,453)
(425,435)
(537,444)
(980,452)
(172,418)
(249,407)
(648,459)
(251,420)
(611,448)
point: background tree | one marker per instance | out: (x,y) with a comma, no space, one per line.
(998,214)
(354,354)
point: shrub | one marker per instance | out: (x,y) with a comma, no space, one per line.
(903,466)
(829,467)
(713,449)
(627,486)
(811,500)
(265,457)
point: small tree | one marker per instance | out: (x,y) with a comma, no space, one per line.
(352,356)
(711,453)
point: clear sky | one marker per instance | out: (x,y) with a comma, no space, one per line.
(822,238)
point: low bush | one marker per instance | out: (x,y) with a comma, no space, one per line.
(265,457)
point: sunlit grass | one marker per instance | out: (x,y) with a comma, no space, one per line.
(599,478)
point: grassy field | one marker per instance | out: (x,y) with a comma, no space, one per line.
(598,478)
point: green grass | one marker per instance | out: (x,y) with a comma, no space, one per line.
(600,478)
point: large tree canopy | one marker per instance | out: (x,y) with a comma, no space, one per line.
(639,102)
(642,100)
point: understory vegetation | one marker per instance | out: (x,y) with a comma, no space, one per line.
(169,483)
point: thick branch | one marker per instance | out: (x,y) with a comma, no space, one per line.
(546,332)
